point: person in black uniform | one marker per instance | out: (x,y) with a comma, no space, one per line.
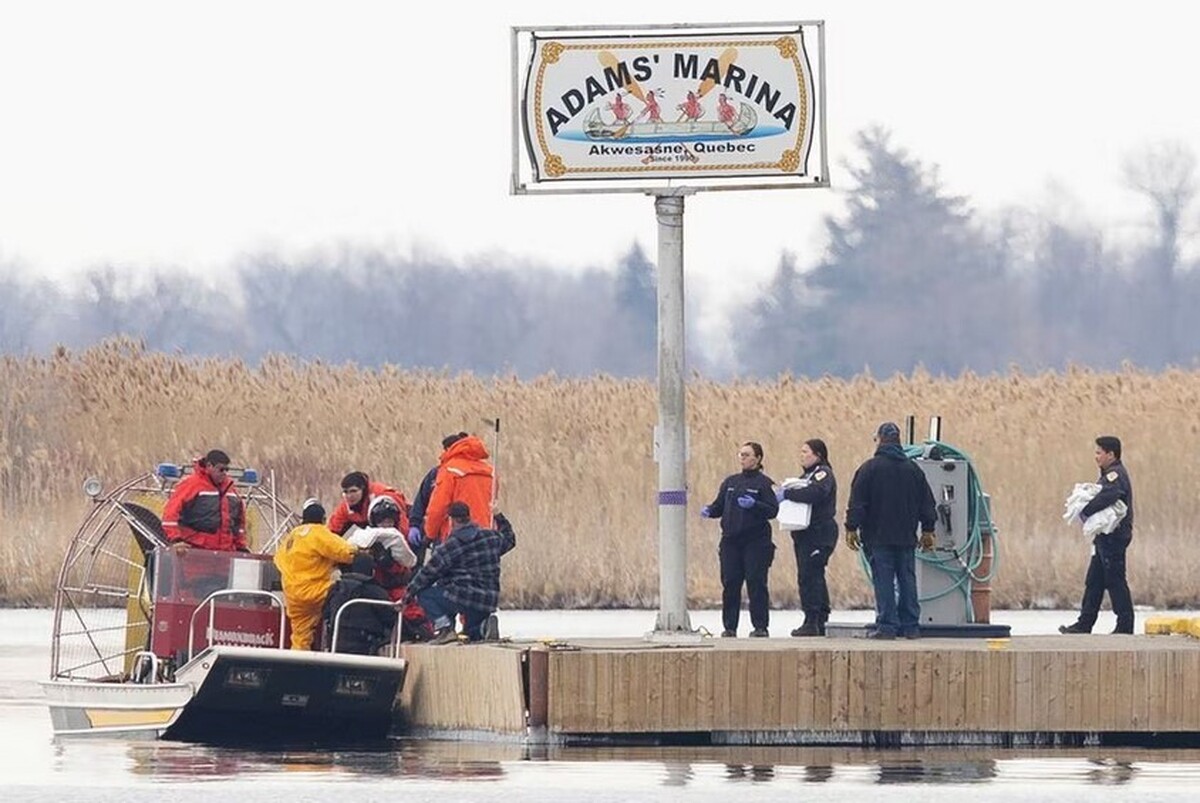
(889,497)
(814,544)
(1106,571)
(745,504)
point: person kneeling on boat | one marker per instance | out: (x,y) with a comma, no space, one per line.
(306,558)
(462,576)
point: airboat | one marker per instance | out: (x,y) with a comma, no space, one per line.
(189,644)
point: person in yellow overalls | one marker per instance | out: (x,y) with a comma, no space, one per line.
(306,558)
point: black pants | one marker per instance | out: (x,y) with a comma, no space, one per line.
(745,561)
(1106,572)
(811,560)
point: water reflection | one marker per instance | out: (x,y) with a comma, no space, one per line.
(924,771)
(1108,772)
(551,773)
(427,760)
(749,772)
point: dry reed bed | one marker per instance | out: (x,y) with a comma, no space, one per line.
(577,473)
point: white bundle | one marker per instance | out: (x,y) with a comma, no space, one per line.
(387,537)
(1077,500)
(1103,521)
(794,515)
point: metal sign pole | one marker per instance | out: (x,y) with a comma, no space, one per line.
(672,419)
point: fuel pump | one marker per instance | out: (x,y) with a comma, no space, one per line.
(954,580)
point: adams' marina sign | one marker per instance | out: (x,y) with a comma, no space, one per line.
(683,104)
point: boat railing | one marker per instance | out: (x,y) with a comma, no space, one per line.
(138,672)
(209,602)
(337,622)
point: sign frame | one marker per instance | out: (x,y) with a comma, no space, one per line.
(525,181)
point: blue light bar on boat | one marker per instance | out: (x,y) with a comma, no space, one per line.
(171,471)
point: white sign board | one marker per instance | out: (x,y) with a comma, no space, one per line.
(678,105)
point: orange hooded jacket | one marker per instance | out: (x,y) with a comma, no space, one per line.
(462,476)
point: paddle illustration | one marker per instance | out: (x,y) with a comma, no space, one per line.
(691,107)
(608,60)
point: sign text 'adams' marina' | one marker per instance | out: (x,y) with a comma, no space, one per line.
(669,107)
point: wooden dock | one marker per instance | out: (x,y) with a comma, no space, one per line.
(1070,690)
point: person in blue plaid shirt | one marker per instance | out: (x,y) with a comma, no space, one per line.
(462,576)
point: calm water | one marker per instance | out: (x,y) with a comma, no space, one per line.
(36,767)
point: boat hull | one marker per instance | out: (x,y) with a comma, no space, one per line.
(229,695)
(119,709)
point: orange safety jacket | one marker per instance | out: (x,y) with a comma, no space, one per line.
(343,515)
(462,476)
(205,516)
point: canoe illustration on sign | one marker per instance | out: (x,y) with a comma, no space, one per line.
(741,124)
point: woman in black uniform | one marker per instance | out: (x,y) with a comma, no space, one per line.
(815,543)
(745,504)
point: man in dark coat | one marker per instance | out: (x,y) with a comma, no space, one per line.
(1107,567)
(889,497)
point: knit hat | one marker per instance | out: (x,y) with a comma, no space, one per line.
(888,433)
(312,511)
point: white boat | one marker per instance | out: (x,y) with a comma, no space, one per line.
(189,645)
(595,127)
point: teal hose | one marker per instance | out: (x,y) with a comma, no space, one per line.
(963,566)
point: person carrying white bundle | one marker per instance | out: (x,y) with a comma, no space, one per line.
(1106,571)
(387,538)
(1102,522)
(807,506)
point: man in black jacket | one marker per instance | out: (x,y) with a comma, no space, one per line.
(889,497)
(1107,568)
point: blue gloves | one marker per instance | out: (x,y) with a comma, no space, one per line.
(706,512)
(745,501)
(779,495)
(415,539)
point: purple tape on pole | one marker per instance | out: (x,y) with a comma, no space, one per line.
(672,497)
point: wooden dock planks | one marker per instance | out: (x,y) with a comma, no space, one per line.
(1078,684)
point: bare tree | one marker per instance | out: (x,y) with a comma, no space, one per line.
(1165,173)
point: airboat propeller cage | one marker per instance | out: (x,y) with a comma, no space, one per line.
(118,574)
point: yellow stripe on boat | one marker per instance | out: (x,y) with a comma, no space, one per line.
(108,718)
(1194,627)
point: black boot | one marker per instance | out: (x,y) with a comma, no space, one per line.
(822,620)
(811,626)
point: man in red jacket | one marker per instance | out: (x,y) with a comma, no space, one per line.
(204,510)
(358,491)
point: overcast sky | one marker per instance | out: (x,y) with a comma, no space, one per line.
(152,134)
